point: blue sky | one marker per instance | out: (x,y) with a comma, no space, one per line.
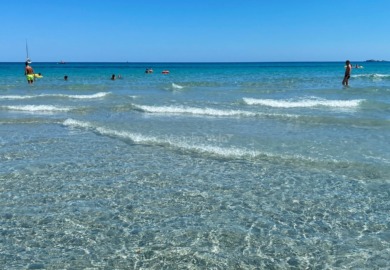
(195,31)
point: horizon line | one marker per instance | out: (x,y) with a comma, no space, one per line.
(200,62)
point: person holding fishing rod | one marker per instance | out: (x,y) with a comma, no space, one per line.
(28,70)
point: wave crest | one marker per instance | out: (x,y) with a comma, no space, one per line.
(38,108)
(93,96)
(232,152)
(305,103)
(371,76)
(192,110)
(176,86)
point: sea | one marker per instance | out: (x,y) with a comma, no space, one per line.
(210,166)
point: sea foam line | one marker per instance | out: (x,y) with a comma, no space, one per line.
(177,86)
(207,112)
(192,110)
(170,141)
(38,108)
(93,96)
(17,97)
(305,103)
(375,76)
(226,152)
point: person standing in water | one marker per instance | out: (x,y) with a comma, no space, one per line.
(29,72)
(347,74)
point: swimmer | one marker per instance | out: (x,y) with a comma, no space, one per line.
(29,72)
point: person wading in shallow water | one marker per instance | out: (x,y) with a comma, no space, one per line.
(347,74)
(29,72)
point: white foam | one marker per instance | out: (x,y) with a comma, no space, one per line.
(76,123)
(176,86)
(374,76)
(38,108)
(174,142)
(192,110)
(304,103)
(93,96)
(16,97)
(170,141)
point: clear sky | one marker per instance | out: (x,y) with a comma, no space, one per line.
(194,30)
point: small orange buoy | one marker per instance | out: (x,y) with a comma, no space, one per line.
(165,72)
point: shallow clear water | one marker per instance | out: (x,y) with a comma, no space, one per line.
(213,166)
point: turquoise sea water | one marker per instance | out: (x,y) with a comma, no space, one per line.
(212,166)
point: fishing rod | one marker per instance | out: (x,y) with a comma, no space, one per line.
(28,58)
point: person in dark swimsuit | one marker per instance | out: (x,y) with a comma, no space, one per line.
(347,74)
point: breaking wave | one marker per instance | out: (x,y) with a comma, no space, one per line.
(304,103)
(192,110)
(38,108)
(226,152)
(176,86)
(371,76)
(93,96)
